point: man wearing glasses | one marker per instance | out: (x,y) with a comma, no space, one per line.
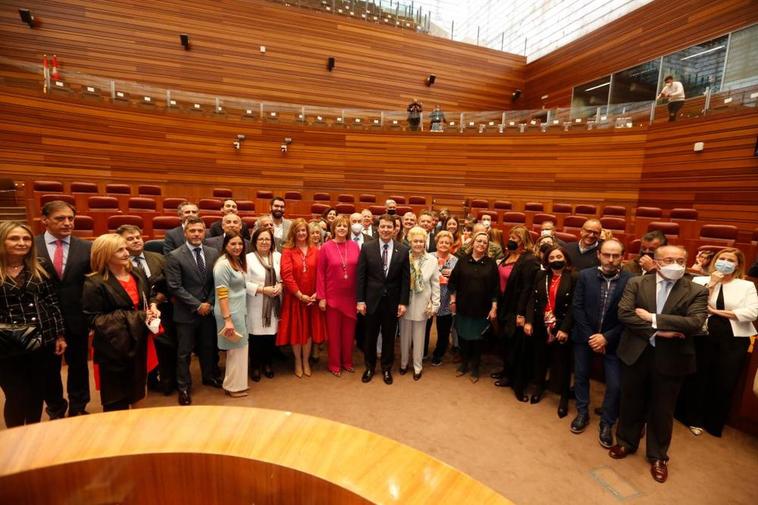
(661,314)
(583,254)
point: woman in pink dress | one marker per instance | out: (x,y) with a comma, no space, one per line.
(335,290)
(301,323)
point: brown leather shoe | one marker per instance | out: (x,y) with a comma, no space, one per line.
(659,470)
(619,451)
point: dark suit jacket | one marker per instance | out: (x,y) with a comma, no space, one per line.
(535,308)
(373,286)
(513,302)
(685,311)
(187,286)
(69,289)
(432,244)
(173,239)
(215,230)
(587,308)
(217,243)
(157,284)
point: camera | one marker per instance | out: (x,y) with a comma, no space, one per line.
(283,148)
(236,144)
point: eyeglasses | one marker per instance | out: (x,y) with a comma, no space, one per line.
(611,256)
(591,232)
(671,261)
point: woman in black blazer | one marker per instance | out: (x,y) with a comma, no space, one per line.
(516,272)
(548,324)
(115,301)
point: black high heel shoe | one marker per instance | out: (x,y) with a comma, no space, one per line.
(537,396)
(563,408)
(520,396)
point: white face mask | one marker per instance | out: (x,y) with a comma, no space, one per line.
(356,228)
(672,272)
(546,233)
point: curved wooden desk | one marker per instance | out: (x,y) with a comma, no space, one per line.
(206,455)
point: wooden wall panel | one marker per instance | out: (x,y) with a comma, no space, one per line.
(721,182)
(376,66)
(659,28)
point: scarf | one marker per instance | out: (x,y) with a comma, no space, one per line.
(269,304)
(417,276)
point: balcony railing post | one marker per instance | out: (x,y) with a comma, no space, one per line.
(460,123)
(707,105)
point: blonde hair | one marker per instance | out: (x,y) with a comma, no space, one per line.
(444,234)
(526,238)
(31,263)
(340,219)
(292,233)
(739,270)
(315,226)
(103,249)
(415,231)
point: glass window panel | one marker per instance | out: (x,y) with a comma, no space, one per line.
(636,84)
(592,94)
(742,62)
(697,67)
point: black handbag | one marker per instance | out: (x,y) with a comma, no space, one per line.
(17,339)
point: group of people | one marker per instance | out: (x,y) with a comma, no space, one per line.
(548,308)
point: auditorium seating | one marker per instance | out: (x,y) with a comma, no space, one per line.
(322,197)
(400,200)
(171,204)
(117,220)
(511,219)
(344,198)
(643,216)
(84,227)
(572,224)
(687,219)
(118,189)
(478,203)
(585,209)
(51,197)
(617,225)
(82,191)
(367,198)
(48,186)
(671,230)
(345,208)
(222,193)
(540,218)
(614,210)
(149,190)
(318,208)
(161,224)
(245,207)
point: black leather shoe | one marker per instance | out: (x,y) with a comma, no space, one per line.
(416,376)
(563,408)
(461,370)
(537,396)
(520,396)
(503,383)
(184,397)
(498,375)
(255,375)
(213,382)
(403,371)
(367,375)
(387,377)
(579,424)
(268,372)
(606,435)
(59,412)
(75,413)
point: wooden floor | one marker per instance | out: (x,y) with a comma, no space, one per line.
(525,452)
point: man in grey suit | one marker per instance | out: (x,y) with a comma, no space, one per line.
(175,236)
(356,230)
(661,314)
(229,223)
(189,275)
(67,262)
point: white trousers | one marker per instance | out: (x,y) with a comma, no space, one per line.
(412,335)
(235,377)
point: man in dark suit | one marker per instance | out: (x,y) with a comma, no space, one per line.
(228,207)
(598,329)
(383,292)
(230,223)
(175,236)
(189,275)
(661,314)
(426,221)
(153,266)
(68,262)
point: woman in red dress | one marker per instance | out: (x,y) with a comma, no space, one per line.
(301,323)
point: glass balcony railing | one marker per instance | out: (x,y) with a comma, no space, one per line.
(75,86)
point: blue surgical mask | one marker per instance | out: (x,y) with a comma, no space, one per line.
(725,267)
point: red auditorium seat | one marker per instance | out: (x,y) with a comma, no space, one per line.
(209,219)
(722,234)
(206,204)
(687,219)
(585,209)
(563,208)
(263,200)
(171,204)
(345,208)
(478,203)
(633,249)
(617,225)
(84,226)
(120,219)
(322,197)
(572,224)
(222,193)
(149,190)
(102,203)
(643,216)
(161,224)
(502,205)
(417,200)
(118,189)
(540,218)
(367,198)
(534,206)
(142,204)
(52,197)
(48,186)
(295,203)
(345,198)
(293,195)
(377,210)
(566,237)
(614,210)
(400,200)
(318,208)
(668,228)
(264,194)
(245,207)
(249,221)
(402,209)
(511,219)
(82,191)
(490,213)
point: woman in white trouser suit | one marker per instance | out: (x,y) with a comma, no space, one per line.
(424,301)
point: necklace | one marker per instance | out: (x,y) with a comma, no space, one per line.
(343,257)
(304,254)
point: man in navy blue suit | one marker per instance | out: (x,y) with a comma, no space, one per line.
(597,329)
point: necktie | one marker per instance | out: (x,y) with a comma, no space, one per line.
(58,258)
(200,261)
(660,301)
(384,258)
(138,263)
(357,239)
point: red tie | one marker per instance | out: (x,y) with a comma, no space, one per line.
(58,258)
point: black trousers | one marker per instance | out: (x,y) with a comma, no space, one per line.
(384,319)
(444,324)
(22,379)
(427,332)
(471,352)
(555,356)
(520,360)
(360,331)
(674,108)
(647,396)
(200,334)
(720,360)
(77,382)
(261,350)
